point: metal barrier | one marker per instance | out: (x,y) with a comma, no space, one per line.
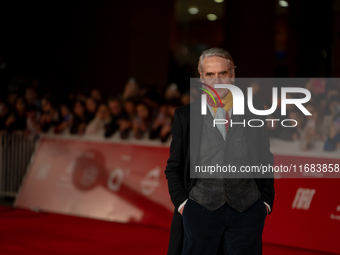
(16,150)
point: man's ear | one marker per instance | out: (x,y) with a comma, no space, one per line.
(233,76)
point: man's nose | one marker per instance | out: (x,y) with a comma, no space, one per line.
(217,80)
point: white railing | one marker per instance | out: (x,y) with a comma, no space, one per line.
(15,153)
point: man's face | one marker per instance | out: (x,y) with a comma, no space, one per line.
(216,71)
(91,105)
(103,112)
(115,107)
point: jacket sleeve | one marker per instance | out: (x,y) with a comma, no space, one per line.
(266,158)
(174,170)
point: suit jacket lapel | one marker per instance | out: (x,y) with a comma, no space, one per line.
(196,122)
(209,121)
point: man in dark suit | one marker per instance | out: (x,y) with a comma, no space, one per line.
(222,214)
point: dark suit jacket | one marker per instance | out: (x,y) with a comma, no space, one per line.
(178,165)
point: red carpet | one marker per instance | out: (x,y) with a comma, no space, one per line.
(27,232)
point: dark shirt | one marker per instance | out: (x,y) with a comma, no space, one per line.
(18,124)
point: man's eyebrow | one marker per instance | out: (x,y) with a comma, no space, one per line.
(209,73)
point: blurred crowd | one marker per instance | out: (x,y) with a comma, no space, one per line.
(138,113)
(323,125)
(144,114)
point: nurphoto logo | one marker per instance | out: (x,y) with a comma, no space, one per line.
(238,104)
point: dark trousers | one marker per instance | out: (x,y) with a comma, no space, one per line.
(240,232)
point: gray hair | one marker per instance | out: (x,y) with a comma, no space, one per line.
(219,52)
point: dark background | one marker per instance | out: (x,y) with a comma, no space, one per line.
(80,45)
